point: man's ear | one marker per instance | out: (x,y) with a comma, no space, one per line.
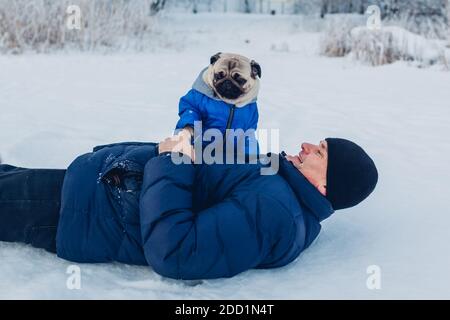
(256,69)
(215,57)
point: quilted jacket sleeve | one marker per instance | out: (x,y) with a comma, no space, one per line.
(189,109)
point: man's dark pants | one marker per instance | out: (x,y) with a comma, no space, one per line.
(30,201)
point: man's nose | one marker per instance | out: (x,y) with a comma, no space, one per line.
(307,147)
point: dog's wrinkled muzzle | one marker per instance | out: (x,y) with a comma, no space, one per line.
(228,89)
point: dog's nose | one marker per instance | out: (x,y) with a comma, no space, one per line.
(227,84)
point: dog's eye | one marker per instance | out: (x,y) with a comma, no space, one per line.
(239,80)
(219,75)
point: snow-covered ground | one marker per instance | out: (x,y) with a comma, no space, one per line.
(55,107)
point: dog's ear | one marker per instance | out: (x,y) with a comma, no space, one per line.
(256,69)
(215,57)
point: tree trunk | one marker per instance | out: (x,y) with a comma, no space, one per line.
(157,6)
(247,8)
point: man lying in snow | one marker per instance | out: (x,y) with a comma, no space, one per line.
(129,202)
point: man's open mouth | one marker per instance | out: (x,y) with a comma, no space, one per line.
(300,157)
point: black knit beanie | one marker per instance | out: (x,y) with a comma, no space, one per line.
(351,174)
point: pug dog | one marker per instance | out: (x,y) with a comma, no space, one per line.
(234,78)
(222,97)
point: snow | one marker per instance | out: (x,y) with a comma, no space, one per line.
(55,107)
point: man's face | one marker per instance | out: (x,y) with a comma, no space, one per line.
(312,161)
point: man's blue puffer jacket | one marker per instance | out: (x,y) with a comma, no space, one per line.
(124,202)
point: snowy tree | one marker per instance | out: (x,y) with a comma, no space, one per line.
(157,5)
(247,8)
(344,6)
(306,6)
(426,17)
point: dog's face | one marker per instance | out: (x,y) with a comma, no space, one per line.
(233,77)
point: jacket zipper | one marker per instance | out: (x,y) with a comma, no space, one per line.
(229,122)
(230,117)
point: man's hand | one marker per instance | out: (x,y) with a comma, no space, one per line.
(188,130)
(179,143)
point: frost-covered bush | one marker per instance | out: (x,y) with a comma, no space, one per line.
(41,25)
(336,40)
(390,44)
(348,34)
